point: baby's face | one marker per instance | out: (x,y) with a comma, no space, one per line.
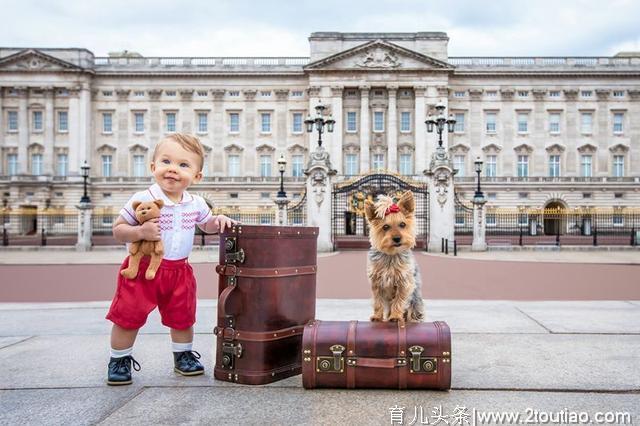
(175,168)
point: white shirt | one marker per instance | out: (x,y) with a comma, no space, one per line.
(177,220)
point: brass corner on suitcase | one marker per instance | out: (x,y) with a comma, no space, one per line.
(422,364)
(331,364)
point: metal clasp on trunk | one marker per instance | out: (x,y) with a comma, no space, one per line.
(422,364)
(332,364)
(230,352)
(231,255)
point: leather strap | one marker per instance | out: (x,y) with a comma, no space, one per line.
(239,271)
(222,300)
(259,336)
(315,325)
(351,353)
(377,362)
(402,353)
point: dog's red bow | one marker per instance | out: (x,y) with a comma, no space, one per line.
(392,209)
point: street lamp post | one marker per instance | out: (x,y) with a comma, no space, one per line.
(439,121)
(85,175)
(282,164)
(478,164)
(320,122)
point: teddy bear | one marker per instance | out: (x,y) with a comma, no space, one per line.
(145,211)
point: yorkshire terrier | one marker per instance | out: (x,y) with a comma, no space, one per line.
(391,266)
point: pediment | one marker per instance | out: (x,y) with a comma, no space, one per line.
(106,147)
(207,148)
(265,147)
(524,147)
(296,147)
(587,147)
(32,60)
(619,147)
(492,147)
(233,147)
(556,147)
(138,147)
(459,147)
(378,55)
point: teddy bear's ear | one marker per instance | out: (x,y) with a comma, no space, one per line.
(159,203)
(135,205)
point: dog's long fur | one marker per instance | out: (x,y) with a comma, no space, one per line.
(391,266)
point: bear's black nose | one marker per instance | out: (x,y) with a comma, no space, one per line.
(397,239)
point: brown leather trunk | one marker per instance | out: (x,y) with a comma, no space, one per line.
(340,354)
(266,295)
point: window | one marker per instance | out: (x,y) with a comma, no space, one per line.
(107,93)
(406,165)
(378,161)
(351,165)
(265,94)
(233,195)
(138,93)
(351,122)
(265,118)
(296,94)
(37,121)
(405,121)
(234,122)
(617,122)
(107,122)
(63,121)
(12,164)
(170,93)
(63,92)
(378,121)
(36,164)
(171,121)
(459,217)
(297,165)
(523,94)
(523,195)
(586,93)
(378,93)
(265,165)
(490,167)
(459,126)
(491,122)
(585,165)
(554,94)
(458,164)
(618,93)
(523,165)
(12,118)
(202,93)
(297,122)
(139,122)
(523,123)
(492,196)
(618,195)
(203,122)
(459,94)
(586,195)
(491,219)
(234,93)
(554,122)
(138,165)
(106,165)
(63,164)
(523,219)
(265,195)
(234,165)
(618,220)
(618,165)
(586,122)
(554,165)
(491,93)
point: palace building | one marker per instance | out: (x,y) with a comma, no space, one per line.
(551,131)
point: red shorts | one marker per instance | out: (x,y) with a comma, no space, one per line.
(173,291)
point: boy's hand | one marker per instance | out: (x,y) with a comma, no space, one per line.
(221,222)
(150,230)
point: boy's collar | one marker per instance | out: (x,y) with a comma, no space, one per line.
(158,194)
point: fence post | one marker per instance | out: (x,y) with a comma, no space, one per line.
(455,247)
(558,235)
(442,242)
(595,236)
(446,246)
(44,237)
(633,237)
(520,236)
(5,237)
(202,238)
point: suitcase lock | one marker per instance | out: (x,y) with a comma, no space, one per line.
(231,255)
(332,364)
(230,352)
(421,364)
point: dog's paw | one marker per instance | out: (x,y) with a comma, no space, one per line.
(396,318)
(376,318)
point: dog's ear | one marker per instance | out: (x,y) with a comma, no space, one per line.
(135,205)
(370,210)
(406,203)
(159,203)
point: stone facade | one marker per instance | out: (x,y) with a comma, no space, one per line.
(548,129)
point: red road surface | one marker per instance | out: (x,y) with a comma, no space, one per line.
(343,276)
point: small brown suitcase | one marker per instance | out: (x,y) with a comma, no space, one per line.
(340,354)
(266,295)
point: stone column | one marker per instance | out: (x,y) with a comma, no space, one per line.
(571,132)
(3,171)
(538,134)
(124,116)
(281,113)
(392,131)
(23,130)
(319,175)
(479,224)
(601,132)
(441,199)
(338,116)
(186,113)
(49,133)
(282,215)
(420,130)
(218,132)
(365,129)
(249,155)
(85,128)
(85,210)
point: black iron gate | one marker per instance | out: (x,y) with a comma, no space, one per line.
(348,223)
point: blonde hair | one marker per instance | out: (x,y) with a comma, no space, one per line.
(188,142)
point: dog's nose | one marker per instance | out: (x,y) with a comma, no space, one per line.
(397,239)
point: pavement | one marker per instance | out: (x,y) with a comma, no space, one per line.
(539,360)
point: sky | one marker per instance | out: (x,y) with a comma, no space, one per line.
(282,28)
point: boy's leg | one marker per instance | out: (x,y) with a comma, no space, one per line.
(121,362)
(184,358)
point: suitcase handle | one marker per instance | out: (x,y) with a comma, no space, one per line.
(377,362)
